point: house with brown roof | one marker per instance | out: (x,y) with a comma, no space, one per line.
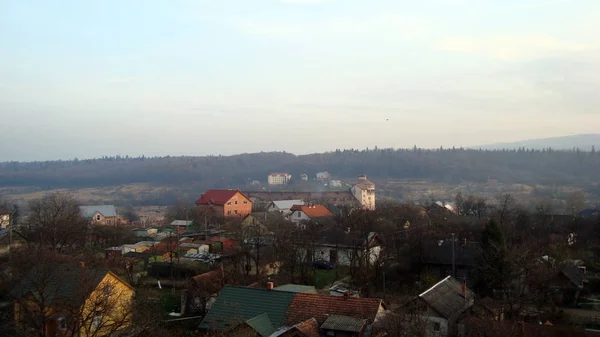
(301,213)
(345,247)
(226,203)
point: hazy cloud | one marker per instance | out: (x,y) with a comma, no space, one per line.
(393,24)
(511,47)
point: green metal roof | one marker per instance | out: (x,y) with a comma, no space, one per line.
(236,304)
(261,324)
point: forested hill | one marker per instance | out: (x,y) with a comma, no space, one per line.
(546,167)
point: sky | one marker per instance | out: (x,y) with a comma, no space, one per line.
(195,77)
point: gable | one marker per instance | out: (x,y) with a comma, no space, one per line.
(220,197)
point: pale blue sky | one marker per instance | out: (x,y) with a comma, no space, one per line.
(92,78)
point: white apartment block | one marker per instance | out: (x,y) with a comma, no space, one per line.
(364,192)
(279,178)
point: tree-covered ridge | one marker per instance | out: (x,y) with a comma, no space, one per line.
(547,167)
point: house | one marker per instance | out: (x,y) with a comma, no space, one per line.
(235,305)
(335,183)
(344,248)
(283,206)
(287,312)
(304,177)
(344,326)
(442,305)
(100,214)
(323,176)
(300,213)
(568,283)
(144,232)
(306,306)
(5,218)
(220,243)
(308,328)
(437,258)
(5,240)
(181,225)
(297,288)
(364,192)
(226,203)
(62,299)
(279,178)
(330,197)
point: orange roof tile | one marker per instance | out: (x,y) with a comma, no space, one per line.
(314,211)
(309,328)
(306,306)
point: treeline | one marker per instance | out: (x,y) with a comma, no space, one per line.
(544,167)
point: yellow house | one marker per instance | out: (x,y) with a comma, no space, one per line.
(73,301)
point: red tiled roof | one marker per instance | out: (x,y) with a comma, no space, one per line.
(306,306)
(315,211)
(217,197)
(309,328)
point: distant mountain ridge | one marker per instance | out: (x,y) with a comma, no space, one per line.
(583,142)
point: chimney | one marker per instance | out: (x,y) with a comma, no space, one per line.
(464,289)
(465,242)
(270,285)
(82,263)
(346,295)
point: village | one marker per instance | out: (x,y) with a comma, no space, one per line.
(294,263)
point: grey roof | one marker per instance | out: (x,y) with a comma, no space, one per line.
(447,298)
(343,323)
(287,204)
(262,325)
(105,210)
(63,284)
(297,288)
(441,254)
(181,223)
(574,274)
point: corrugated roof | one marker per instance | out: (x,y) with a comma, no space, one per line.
(287,204)
(262,325)
(297,288)
(182,223)
(447,298)
(105,210)
(236,304)
(217,197)
(343,323)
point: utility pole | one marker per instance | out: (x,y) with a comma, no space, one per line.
(453,257)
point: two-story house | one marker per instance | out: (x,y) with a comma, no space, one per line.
(364,192)
(100,214)
(300,213)
(226,203)
(70,300)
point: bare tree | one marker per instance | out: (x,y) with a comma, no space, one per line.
(60,296)
(55,221)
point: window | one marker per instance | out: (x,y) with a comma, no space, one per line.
(245,202)
(97,320)
(235,211)
(228,212)
(107,290)
(98,217)
(299,214)
(436,327)
(61,322)
(229,203)
(236,202)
